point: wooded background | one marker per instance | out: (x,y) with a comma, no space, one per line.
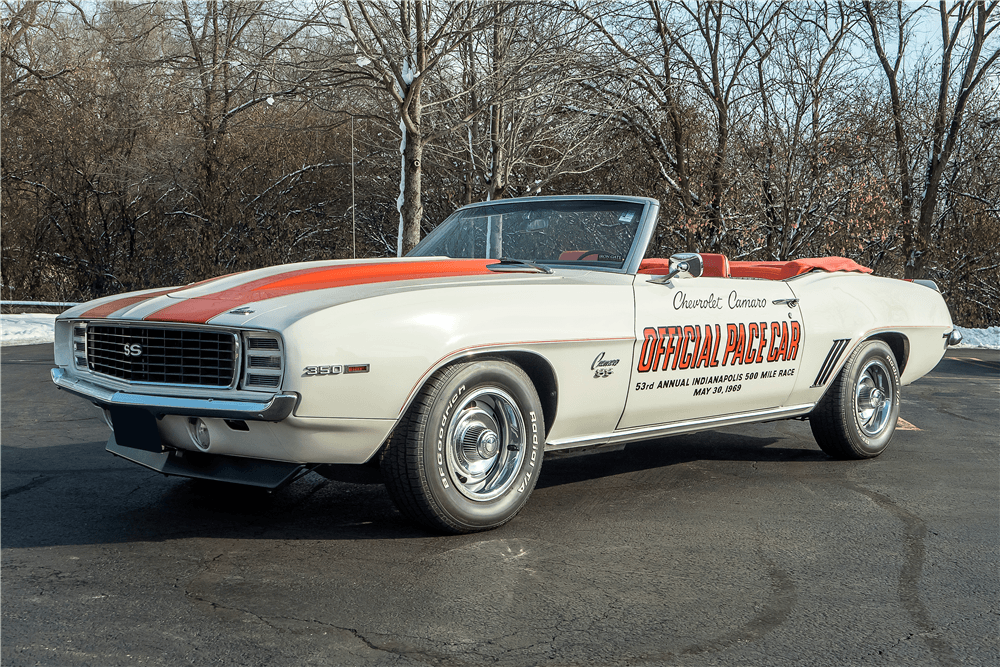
(148,144)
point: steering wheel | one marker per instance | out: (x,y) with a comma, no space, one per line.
(597,252)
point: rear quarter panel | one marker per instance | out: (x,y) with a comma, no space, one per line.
(858,307)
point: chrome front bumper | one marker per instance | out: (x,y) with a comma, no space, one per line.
(274,410)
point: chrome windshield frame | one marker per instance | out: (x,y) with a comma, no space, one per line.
(643,233)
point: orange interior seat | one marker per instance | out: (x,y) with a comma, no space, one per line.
(715,266)
(655,266)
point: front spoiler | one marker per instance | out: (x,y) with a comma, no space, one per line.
(274,410)
(217,467)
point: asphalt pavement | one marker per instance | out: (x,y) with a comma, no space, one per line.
(743,546)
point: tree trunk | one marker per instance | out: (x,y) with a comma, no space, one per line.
(413,210)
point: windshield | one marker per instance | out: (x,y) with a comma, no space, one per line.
(596,233)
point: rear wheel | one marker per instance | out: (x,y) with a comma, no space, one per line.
(468,452)
(857,417)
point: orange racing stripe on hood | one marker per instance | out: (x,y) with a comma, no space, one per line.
(106,309)
(199,310)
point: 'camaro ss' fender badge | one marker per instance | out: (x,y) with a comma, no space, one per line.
(603,367)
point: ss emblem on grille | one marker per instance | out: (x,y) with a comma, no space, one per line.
(134,350)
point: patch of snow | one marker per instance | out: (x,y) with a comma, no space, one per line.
(27,329)
(363,61)
(409,73)
(982,338)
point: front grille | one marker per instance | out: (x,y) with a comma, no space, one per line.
(160,355)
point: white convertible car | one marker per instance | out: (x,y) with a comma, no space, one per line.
(516,328)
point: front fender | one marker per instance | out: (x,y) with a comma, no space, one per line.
(403,338)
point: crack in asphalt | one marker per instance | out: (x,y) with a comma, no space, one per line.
(914,533)
(774,614)
(33,484)
(421,655)
(411,653)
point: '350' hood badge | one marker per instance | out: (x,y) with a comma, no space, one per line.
(335,369)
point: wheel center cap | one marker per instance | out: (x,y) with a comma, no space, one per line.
(488,445)
(877,398)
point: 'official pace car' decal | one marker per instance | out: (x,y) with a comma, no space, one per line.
(695,346)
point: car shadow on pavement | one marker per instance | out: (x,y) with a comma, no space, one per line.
(972,364)
(53,496)
(673,451)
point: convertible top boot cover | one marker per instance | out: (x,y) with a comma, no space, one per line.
(783,270)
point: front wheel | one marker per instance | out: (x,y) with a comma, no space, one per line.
(468,452)
(857,417)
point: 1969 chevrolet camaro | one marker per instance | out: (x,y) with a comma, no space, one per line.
(515,328)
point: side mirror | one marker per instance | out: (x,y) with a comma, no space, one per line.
(682,265)
(685,265)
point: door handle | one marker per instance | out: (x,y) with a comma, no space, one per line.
(791,303)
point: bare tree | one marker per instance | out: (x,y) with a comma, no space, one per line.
(679,55)
(530,69)
(965,62)
(654,103)
(803,156)
(157,143)
(401,46)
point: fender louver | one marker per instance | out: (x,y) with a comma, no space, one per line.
(832,357)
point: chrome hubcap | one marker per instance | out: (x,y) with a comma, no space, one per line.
(873,398)
(486,444)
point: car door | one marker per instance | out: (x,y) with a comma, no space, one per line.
(711,346)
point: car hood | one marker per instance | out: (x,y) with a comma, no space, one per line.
(298,289)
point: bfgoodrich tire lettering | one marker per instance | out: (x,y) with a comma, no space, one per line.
(468,452)
(857,417)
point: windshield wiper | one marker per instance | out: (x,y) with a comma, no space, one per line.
(516,265)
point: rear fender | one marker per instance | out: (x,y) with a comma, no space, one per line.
(842,310)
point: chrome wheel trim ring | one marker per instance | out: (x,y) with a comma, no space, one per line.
(485,444)
(873,398)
